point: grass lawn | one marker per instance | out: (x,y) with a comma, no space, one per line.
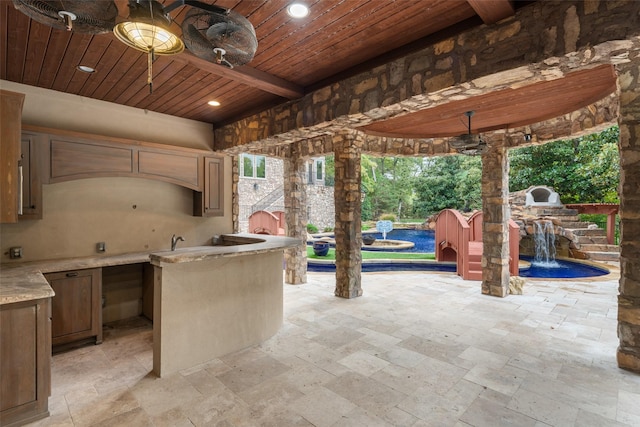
(373,255)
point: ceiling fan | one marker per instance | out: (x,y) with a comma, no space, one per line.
(468,143)
(92,17)
(210,32)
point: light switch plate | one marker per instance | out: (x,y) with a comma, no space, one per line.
(101,247)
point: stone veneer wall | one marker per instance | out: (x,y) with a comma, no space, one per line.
(320,208)
(252,190)
(629,143)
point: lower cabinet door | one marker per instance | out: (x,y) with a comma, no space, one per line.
(76,312)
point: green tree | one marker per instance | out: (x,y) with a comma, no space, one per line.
(448,182)
(583,170)
(329,171)
(388,185)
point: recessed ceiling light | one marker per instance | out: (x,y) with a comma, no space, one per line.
(86,69)
(214,103)
(297,10)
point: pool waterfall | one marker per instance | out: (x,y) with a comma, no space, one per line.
(544,238)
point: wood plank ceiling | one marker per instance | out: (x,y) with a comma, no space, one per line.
(294,56)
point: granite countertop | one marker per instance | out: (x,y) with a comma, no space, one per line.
(25,281)
(231,245)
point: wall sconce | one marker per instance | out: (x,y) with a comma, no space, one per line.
(527,137)
(255,186)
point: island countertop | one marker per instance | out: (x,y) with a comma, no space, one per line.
(228,245)
(25,281)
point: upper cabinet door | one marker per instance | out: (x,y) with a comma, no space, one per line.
(210,202)
(33,150)
(10,134)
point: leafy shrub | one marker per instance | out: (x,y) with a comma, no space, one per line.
(312,228)
(327,229)
(388,217)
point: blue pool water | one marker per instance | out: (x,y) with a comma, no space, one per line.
(424,242)
(561,269)
(423,239)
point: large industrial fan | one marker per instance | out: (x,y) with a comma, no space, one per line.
(83,16)
(210,32)
(215,34)
(225,38)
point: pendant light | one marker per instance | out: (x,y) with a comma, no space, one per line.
(147,30)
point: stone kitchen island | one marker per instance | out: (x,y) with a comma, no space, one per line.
(207,301)
(213,300)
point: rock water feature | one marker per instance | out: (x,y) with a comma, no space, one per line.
(544,238)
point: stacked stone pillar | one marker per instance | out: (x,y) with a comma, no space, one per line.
(496,213)
(629,143)
(348,150)
(295,205)
(235,195)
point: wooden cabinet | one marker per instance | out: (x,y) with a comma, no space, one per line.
(76,309)
(183,169)
(33,166)
(73,159)
(78,158)
(10,130)
(25,361)
(210,202)
(55,156)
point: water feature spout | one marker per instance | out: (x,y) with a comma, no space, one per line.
(544,239)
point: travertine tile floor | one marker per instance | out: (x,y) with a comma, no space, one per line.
(417,349)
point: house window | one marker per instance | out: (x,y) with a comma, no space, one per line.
(315,171)
(254,166)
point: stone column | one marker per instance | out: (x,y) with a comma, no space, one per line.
(629,144)
(495,212)
(235,196)
(295,206)
(348,148)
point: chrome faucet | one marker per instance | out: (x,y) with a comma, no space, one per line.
(174,241)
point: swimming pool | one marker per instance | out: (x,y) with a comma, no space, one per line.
(424,243)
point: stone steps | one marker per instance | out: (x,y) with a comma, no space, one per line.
(599,247)
(573,225)
(591,242)
(586,231)
(603,256)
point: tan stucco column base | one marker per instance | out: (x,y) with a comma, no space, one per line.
(348,233)
(495,212)
(295,205)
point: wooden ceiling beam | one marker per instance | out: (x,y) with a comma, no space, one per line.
(247,75)
(492,11)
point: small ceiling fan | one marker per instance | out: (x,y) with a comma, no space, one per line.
(468,143)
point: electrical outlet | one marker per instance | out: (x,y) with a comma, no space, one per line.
(15,252)
(101,247)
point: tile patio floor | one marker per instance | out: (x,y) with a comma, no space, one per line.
(417,349)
